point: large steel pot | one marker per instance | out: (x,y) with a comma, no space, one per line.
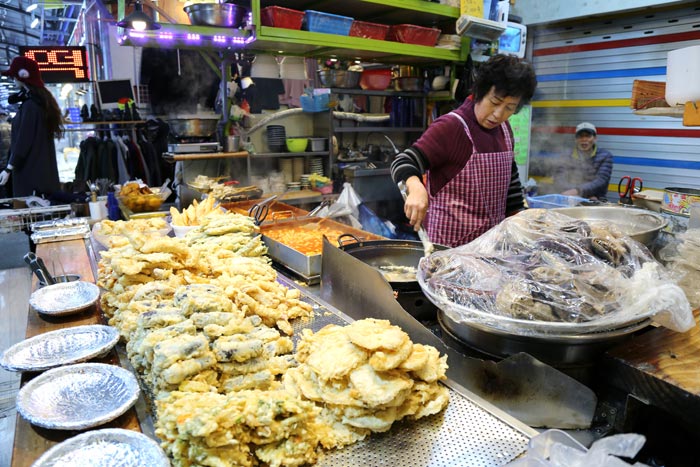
(193,127)
(639,224)
(560,350)
(383,254)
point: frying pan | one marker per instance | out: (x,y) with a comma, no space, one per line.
(380,254)
(386,253)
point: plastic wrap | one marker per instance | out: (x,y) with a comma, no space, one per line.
(682,259)
(543,273)
(555,448)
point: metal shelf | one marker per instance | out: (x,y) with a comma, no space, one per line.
(260,155)
(381,129)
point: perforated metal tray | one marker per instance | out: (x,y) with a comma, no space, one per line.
(470,432)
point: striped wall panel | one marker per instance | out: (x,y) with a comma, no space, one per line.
(585,73)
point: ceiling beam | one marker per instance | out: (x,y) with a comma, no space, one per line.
(19,31)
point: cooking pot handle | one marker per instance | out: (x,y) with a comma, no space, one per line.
(340,238)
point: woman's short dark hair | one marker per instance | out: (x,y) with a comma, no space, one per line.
(510,75)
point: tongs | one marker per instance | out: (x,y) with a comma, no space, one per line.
(259,211)
(428,246)
(39,268)
(317,209)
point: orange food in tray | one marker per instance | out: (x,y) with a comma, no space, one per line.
(305,238)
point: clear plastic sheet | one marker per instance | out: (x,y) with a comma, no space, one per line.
(682,258)
(544,273)
(555,448)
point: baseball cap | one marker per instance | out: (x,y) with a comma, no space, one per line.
(585,126)
(26,70)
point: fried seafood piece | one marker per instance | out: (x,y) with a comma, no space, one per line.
(377,388)
(227,223)
(229,429)
(383,360)
(202,298)
(305,382)
(244,325)
(140,348)
(426,364)
(330,353)
(375,334)
(276,365)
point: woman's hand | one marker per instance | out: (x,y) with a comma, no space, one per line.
(416,202)
(571,192)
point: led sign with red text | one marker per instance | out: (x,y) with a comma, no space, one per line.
(59,64)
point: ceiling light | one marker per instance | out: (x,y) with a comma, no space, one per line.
(138,20)
(31,7)
(35,23)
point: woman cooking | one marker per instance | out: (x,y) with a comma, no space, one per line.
(467,154)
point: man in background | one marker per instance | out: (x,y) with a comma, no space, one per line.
(5,133)
(586,171)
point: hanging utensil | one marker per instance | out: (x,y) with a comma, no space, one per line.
(39,268)
(428,246)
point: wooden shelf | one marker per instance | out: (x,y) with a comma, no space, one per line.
(288,154)
(676,111)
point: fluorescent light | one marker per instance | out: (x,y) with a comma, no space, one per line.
(31,7)
(35,23)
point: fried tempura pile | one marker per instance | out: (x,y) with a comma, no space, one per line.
(206,327)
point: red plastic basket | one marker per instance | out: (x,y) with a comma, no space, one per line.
(412,34)
(369,30)
(281,17)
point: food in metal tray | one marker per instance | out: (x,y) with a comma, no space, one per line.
(306,238)
(60,347)
(106,448)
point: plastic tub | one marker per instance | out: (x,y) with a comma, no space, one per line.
(412,34)
(280,17)
(317,21)
(369,30)
(318,103)
(317,144)
(553,201)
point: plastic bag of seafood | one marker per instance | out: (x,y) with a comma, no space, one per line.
(544,273)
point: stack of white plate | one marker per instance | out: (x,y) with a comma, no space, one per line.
(316,165)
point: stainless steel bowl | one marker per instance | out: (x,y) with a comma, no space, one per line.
(193,127)
(558,350)
(639,224)
(217,14)
(339,78)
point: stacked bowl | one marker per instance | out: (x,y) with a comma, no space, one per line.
(276,138)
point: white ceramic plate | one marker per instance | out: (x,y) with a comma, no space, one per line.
(64,298)
(77,397)
(60,347)
(105,448)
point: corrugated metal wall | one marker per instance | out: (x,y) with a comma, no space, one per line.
(585,72)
